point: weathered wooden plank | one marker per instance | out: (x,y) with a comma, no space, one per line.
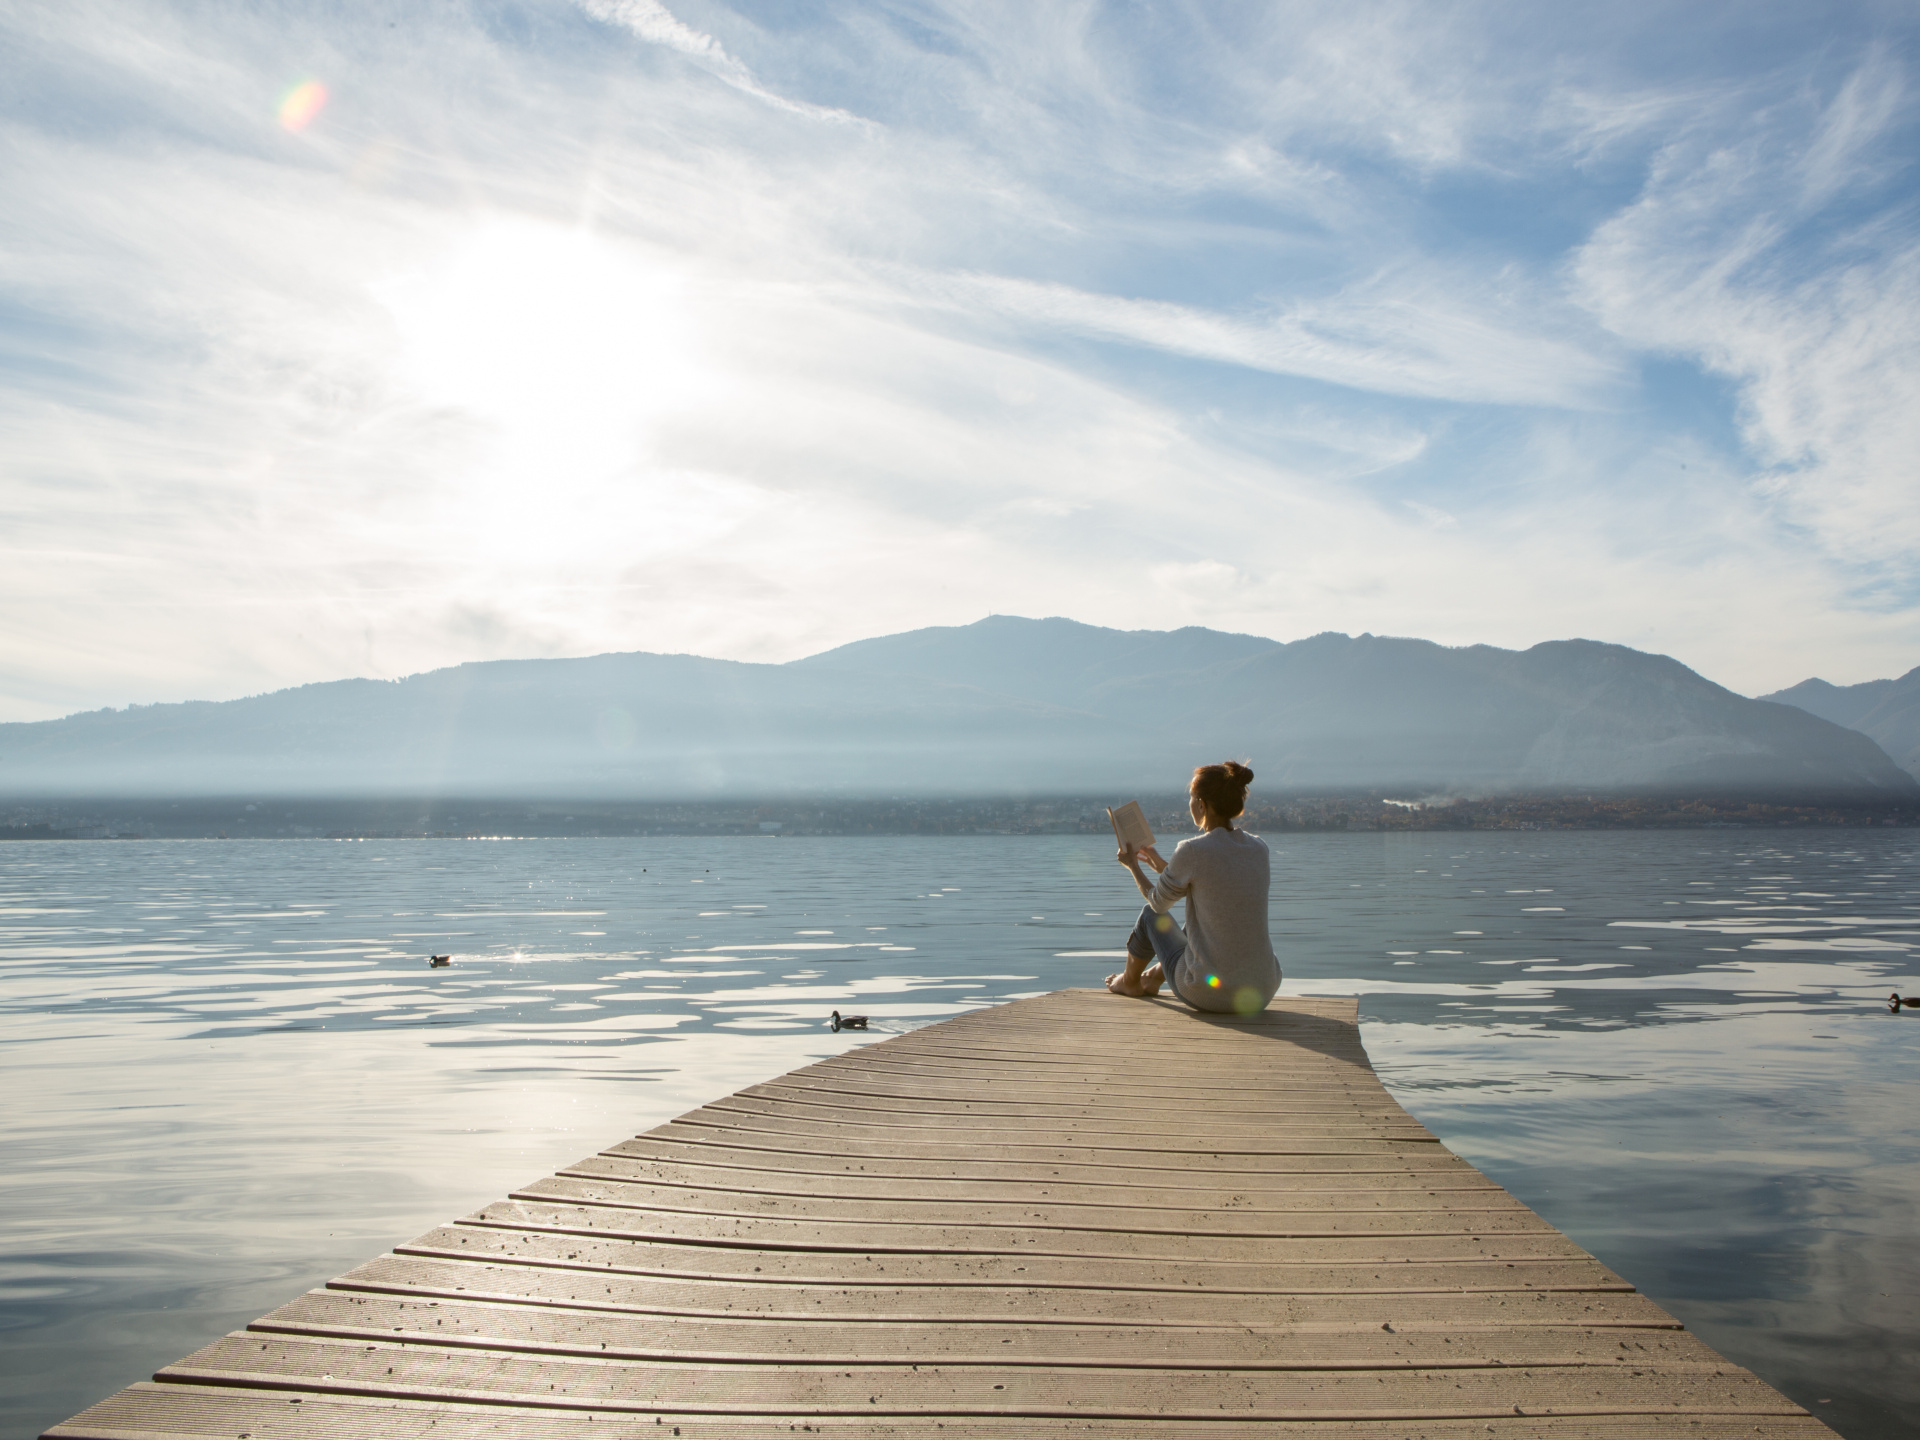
(1122,1057)
(1066,1057)
(1318,1110)
(1244,1050)
(431,1372)
(508,1273)
(763,1232)
(1427,1263)
(1008,1099)
(771,1151)
(1022,1144)
(1285,1192)
(1320,1207)
(1353,1083)
(421,1371)
(475,1322)
(192,1412)
(1004,1225)
(1292,1010)
(1066,1064)
(1316,1104)
(988,1120)
(1307,1026)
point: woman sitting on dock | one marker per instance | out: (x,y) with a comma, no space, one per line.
(1223,961)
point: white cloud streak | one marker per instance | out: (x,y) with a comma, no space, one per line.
(1380,336)
(657,25)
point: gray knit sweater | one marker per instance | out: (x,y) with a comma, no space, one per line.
(1223,876)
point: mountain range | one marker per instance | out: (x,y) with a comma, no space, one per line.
(1005,706)
(1886,710)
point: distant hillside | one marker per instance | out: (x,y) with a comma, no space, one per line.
(1887,710)
(1057,662)
(1005,706)
(1338,711)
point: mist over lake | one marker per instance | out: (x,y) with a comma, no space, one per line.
(229,1073)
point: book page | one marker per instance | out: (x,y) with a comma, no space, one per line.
(1130,825)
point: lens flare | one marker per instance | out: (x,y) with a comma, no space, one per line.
(300,104)
(1213,982)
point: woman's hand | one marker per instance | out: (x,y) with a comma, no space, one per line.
(1152,857)
(1131,858)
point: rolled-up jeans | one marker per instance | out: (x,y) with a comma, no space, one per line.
(1161,933)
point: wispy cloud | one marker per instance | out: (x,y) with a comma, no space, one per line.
(657,25)
(1773,253)
(654,23)
(1379,336)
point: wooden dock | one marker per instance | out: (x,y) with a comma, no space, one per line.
(1073,1215)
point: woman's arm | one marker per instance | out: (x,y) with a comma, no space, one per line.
(1131,858)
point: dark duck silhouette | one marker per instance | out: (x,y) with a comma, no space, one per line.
(847,1022)
(1894,1001)
(438,961)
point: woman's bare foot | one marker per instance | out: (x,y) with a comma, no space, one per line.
(1138,980)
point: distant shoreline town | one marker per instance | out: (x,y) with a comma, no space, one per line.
(295,818)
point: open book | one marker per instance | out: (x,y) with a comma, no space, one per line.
(1130,825)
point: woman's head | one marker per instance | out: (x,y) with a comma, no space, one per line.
(1221,789)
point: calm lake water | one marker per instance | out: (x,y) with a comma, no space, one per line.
(226,1073)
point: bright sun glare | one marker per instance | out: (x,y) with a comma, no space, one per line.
(567,353)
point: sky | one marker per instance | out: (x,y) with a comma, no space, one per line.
(367,338)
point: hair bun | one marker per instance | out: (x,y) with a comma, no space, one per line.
(1222,788)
